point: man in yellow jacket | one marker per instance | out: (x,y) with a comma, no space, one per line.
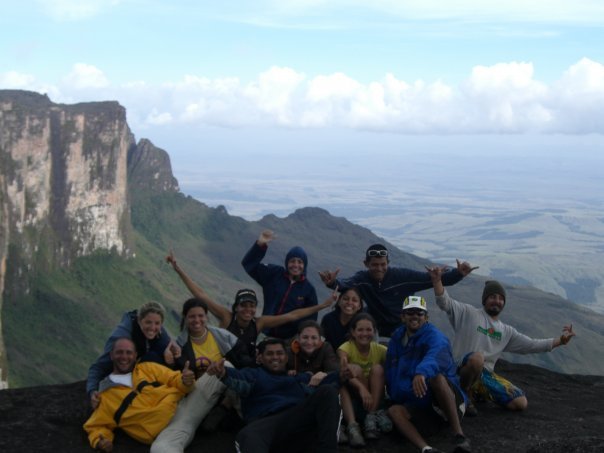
(140,399)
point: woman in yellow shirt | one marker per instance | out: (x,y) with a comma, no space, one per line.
(365,358)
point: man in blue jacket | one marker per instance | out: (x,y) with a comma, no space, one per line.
(285,288)
(421,376)
(277,406)
(383,287)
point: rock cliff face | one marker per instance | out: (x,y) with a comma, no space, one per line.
(149,169)
(63,186)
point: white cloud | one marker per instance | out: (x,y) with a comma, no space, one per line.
(159,119)
(16,80)
(502,98)
(84,76)
(71,10)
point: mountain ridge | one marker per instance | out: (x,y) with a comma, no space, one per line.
(79,302)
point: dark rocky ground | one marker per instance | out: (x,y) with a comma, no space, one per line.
(565,414)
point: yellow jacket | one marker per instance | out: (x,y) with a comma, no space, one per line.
(148,413)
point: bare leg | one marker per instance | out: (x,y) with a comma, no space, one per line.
(402,420)
(376,386)
(446,400)
(346,402)
(470,372)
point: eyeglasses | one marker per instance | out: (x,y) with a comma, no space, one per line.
(377,252)
(412,312)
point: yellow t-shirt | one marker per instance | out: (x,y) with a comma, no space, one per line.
(206,353)
(377,354)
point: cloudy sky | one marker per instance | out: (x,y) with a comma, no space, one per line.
(397,66)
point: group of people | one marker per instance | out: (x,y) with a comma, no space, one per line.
(374,361)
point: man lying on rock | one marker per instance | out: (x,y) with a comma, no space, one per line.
(277,406)
(140,399)
(481,338)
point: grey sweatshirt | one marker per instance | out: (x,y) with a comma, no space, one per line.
(476,331)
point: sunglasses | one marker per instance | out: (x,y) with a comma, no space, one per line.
(377,252)
(414,312)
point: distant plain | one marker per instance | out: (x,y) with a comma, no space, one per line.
(527,209)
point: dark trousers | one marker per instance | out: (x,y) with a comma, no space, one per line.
(318,416)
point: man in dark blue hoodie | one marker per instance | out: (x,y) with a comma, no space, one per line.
(277,407)
(285,288)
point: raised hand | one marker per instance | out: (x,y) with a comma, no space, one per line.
(332,299)
(465,268)
(567,334)
(329,277)
(436,272)
(188,376)
(171,259)
(265,237)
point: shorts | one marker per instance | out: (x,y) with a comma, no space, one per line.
(492,387)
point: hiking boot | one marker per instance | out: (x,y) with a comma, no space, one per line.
(355,438)
(384,423)
(471,410)
(371,427)
(462,444)
(342,434)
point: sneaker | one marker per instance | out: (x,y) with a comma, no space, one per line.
(355,438)
(383,421)
(462,444)
(371,427)
(342,434)
(430,450)
(471,410)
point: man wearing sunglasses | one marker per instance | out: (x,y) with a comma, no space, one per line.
(383,287)
(421,378)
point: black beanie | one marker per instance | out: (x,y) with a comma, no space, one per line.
(492,287)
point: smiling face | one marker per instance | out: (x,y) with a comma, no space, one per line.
(494,304)
(414,319)
(349,303)
(246,311)
(309,339)
(123,356)
(274,358)
(295,267)
(363,332)
(195,321)
(377,267)
(151,325)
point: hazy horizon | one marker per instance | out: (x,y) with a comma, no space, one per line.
(530,210)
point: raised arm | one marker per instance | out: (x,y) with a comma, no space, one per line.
(435,273)
(270,321)
(252,261)
(221,312)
